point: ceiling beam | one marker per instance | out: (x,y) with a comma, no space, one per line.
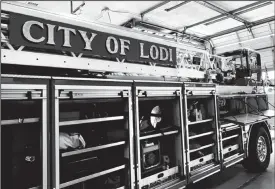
(154,8)
(222,11)
(268,69)
(241,10)
(272,40)
(142,14)
(256,23)
(270,47)
(177,6)
(239,40)
(270,29)
(238,11)
(251,32)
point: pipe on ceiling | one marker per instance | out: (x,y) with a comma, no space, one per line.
(73,11)
(177,6)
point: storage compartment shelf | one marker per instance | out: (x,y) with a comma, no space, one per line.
(158,135)
(230,96)
(164,174)
(268,113)
(203,168)
(83,179)
(196,96)
(232,157)
(201,135)
(245,119)
(203,159)
(230,128)
(230,148)
(198,122)
(228,125)
(19,121)
(230,137)
(232,160)
(65,154)
(201,148)
(156,98)
(94,120)
(36,187)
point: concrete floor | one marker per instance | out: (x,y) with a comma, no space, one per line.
(236,177)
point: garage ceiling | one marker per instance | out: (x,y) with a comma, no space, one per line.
(229,24)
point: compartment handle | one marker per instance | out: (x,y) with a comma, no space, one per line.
(140,92)
(189,92)
(201,160)
(124,93)
(229,149)
(177,93)
(160,175)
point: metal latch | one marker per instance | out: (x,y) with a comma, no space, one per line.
(142,93)
(124,93)
(29,94)
(213,92)
(189,92)
(30,158)
(71,94)
(177,93)
(60,91)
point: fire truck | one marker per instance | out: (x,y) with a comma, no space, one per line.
(89,105)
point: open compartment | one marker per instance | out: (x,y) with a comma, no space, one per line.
(160,144)
(232,110)
(94,143)
(230,106)
(200,109)
(244,109)
(232,142)
(201,130)
(23,136)
(259,105)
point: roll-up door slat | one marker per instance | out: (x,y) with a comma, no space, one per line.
(9,94)
(92,93)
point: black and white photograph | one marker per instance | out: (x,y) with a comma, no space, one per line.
(137,95)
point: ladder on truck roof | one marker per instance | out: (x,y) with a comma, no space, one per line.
(29,56)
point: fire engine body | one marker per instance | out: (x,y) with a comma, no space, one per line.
(144,124)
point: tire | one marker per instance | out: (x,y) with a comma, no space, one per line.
(258,162)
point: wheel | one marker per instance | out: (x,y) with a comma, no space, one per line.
(258,151)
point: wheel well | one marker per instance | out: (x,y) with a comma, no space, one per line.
(265,126)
